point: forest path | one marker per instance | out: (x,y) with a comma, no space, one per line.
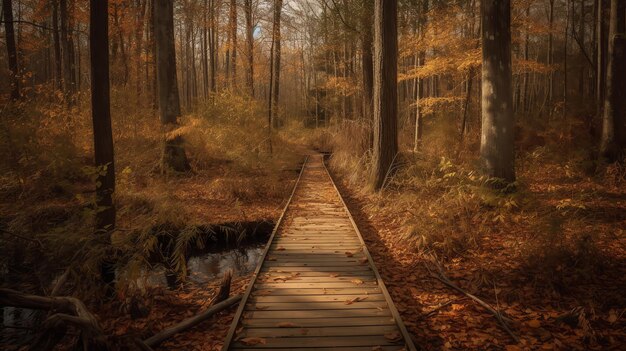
(317,286)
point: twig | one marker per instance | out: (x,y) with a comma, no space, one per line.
(438,308)
(503,320)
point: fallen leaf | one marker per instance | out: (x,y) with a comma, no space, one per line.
(393,336)
(534,323)
(349,254)
(253,341)
(262,307)
(353,300)
(280,248)
(334,275)
(512,348)
(357,281)
(286,325)
(363,260)
(612,316)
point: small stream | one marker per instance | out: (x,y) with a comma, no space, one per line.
(229,246)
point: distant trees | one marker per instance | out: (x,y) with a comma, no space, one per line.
(174,156)
(7,9)
(385,100)
(497,137)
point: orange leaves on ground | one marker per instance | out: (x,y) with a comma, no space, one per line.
(253,341)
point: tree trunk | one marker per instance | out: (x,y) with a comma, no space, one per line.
(7,8)
(275,66)
(174,156)
(233,43)
(367,64)
(551,57)
(613,114)
(601,58)
(250,46)
(101,115)
(497,149)
(58,60)
(385,101)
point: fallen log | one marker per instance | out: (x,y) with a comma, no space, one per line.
(65,311)
(220,302)
(190,322)
(501,318)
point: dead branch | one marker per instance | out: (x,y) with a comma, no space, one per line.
(66,311)
(219,303)
(502,319)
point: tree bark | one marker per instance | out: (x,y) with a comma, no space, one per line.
(250,46)
(7,8)
(174,157)
(367,64)
(232,45)
(613,114)
(385,101)
(497,137)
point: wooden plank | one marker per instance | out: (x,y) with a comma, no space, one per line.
(313,298)
(337,341)
(351,273)
(366,312)
(310,323)
(354,348)
(301,306)
(321,331)
(304,285)
(317,291)
(277,267)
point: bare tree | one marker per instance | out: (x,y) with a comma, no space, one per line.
(7,8)
(385,101)
(613,113)
(274,70)
(174,156)
(250,46)
(101,115)
(497,139)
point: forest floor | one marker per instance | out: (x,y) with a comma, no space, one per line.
(519,265)
(498,271)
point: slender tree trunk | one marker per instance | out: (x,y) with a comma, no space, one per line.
(613,114)
(7,8)
(233,43)
(497,149)
(551,57)
(58,60)
(275,62)
(367,64)
(101,115)
(601,59)
(385,90)
(250,46)
(174,156)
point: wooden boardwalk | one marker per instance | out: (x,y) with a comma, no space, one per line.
(317,286)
